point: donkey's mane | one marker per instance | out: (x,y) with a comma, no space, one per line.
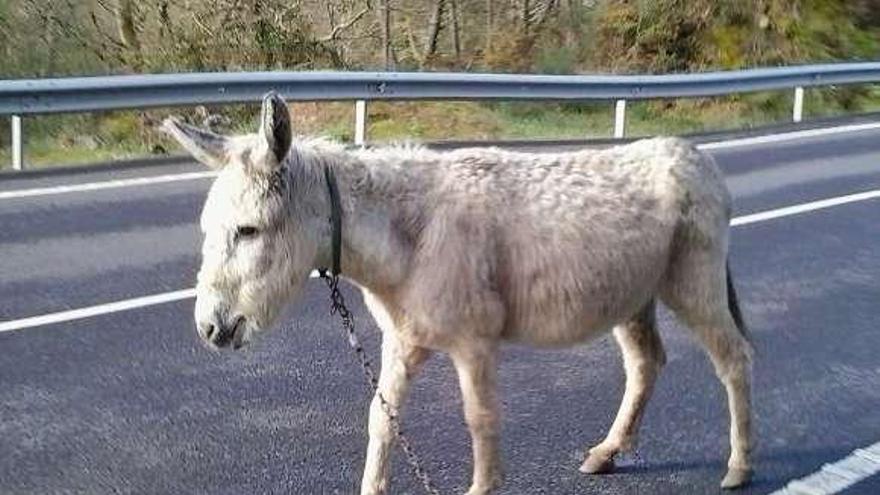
(313,153)
(385,170)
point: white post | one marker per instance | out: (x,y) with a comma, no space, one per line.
(17,144)
(360,122)
(798,112)
(620,119)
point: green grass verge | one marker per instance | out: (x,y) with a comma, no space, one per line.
(78,139)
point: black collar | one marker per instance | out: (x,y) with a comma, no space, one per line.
(335,221)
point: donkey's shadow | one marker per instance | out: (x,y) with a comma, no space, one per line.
(776,468)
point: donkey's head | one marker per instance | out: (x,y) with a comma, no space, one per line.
(259,243)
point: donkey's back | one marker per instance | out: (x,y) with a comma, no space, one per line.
(561,246)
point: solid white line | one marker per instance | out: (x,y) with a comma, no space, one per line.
(804,207)
(789,136)
(838,476)
(161,179)
(140,302)
(100,309)
(112,184)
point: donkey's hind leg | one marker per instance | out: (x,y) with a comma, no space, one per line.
(643,357)
(702,295)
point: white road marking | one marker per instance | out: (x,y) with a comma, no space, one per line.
(837,476)
(111,184)
(789,136)
(161,179)
(100,309)
(804,207)
(140,302)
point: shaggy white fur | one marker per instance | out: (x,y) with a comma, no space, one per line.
(458,251)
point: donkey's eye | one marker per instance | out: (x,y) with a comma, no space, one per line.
(245,231)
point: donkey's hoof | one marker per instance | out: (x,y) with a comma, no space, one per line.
(483,490)
(486,488)
(597,464)
(736,477)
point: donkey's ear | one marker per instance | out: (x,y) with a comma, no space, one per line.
(205,146)
(275,126)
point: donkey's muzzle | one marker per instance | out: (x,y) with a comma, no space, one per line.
(222,334)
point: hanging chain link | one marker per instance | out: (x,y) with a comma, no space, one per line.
(337,306)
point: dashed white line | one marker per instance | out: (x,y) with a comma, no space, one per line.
(114,307)
(837,476)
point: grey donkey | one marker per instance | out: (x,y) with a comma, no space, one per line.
(459,251)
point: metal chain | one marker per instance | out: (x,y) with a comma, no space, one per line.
(337,306)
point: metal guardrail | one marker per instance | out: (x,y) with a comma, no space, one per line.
(88,94)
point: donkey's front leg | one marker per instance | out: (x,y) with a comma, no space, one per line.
(400,363)
(476,367)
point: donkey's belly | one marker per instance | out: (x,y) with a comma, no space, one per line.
(592,320)
(564,307)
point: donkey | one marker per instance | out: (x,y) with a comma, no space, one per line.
(460,251)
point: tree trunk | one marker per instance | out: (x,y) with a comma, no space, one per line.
(490,25)
(384,17)
(414,48)
(435,25)
(128,33)
(456,35)
(4,35)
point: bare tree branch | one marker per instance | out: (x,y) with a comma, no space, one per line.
(337,29)
(104,5)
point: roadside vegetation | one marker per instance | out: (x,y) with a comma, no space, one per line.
(46,38)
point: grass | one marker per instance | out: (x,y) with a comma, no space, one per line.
(554,120)
(77,139)
(60,140)
(48,153)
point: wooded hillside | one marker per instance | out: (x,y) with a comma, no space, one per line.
(61,37)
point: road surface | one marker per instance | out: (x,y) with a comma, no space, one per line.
(130,402)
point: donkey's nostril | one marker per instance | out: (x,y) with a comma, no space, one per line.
(209,330)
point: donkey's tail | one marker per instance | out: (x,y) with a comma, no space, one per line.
(733,306)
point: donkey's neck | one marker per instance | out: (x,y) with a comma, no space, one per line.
(379,219)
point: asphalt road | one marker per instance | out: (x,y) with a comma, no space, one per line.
(130,402)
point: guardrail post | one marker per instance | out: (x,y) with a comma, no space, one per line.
(360,122)
(620,119)
(17,144)
(798,111)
